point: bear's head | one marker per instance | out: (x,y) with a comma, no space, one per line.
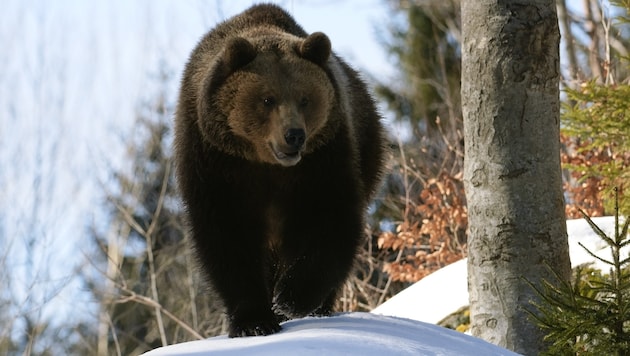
(268,97)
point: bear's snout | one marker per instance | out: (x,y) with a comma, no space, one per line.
(287,148)
(295,138)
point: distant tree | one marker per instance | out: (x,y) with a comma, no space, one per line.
(593,48)
(510,104)
(153,294)
(7,345)
(424,43)
(424,196)
(34,183)
(595,125)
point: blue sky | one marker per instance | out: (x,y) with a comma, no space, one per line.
(74,72)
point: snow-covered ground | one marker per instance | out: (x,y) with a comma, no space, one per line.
(445,291)
(345,334)
(404,325)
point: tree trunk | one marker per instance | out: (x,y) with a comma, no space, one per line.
(510,102)
(569,41)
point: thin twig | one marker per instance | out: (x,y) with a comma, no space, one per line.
(149,232)
(134,297)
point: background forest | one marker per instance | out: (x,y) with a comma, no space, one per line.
(139,273)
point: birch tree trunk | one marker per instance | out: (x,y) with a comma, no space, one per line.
(510,102)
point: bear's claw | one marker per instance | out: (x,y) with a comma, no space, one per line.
(259,328)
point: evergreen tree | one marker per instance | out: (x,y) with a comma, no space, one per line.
(591,316)
(425,46)
(596,127)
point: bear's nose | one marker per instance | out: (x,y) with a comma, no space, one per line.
(295,138)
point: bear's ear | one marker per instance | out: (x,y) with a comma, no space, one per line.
(238,52)
(315,48)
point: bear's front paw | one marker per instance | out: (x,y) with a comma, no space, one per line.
(295,305)
(253,328)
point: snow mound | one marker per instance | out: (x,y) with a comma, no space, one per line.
(384,332)
(432,298)
(445,291)
(344,334)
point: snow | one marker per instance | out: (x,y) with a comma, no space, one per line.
(580,231)
(404,325)
(432,298)
(345,334)
(445,291)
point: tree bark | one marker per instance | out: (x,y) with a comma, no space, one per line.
(510,102)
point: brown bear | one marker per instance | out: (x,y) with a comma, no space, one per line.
(278,149)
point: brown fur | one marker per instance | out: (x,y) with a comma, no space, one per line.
(279,149)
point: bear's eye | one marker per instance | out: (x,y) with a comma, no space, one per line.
(303,102)
(269,101)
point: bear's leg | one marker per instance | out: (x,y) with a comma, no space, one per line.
(310,282)
(235,262)
(327,306)
(252,320)
(247,297)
